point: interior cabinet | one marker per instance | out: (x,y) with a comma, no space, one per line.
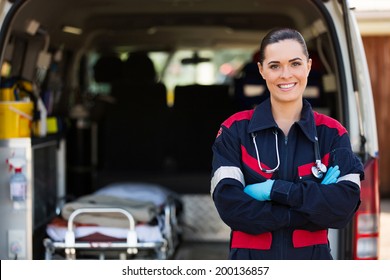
(23,223)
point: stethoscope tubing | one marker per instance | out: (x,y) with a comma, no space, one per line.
(258,156)
(318,170)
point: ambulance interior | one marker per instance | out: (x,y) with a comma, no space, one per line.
(138,90)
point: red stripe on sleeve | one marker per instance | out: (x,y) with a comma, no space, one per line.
(243,115)
(321,119)
(253,164)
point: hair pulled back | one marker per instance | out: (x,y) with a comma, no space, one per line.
(279,34)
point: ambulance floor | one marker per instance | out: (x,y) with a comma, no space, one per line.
(202,251)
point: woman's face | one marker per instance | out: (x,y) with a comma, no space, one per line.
(285,69)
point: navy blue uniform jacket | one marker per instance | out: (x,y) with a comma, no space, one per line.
(294,224)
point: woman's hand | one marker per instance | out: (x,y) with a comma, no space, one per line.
(260,191)
(331,176)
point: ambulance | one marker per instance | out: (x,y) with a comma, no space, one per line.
(130,94)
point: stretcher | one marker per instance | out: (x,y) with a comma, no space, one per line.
(117,222)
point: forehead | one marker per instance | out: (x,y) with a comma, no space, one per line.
(284,50)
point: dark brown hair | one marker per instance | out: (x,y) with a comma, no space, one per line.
(279,34)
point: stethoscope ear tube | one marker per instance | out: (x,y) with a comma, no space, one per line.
(318,170)
(268,171)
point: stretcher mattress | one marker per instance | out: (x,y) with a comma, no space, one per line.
(144,201)
(56,230)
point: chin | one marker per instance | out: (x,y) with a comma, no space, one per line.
(288,97)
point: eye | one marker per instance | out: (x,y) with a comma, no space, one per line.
(274,66)
(296,64)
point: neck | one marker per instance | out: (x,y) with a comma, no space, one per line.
(286,114)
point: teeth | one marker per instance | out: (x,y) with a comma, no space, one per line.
(286,86)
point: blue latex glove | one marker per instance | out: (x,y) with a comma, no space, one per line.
(331,176)
(260,191)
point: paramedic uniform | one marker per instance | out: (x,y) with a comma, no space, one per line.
(294,223)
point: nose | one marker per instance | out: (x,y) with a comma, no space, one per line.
(286,73)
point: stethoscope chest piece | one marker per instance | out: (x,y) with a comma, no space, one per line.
(319,170)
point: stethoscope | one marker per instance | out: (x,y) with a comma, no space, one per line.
(318,170)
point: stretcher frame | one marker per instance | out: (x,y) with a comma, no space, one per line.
(130,248)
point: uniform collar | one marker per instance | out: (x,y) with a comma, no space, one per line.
(262,119)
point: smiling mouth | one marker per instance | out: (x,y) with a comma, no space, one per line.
(286,86)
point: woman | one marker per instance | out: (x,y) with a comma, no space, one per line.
(282,173)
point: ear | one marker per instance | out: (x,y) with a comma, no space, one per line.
(309,62)
(260,69)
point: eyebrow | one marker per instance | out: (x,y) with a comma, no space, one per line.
(291,60)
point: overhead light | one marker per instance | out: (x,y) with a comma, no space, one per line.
(72,30)
(152,30)
(32,27)
(6,69)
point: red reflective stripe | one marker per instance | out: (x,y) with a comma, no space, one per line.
(253,163)
(321,119)
(244,240)
(243,115)
(303,238)
(300,238)
(305,170)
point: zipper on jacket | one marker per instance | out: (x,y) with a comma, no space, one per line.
(284,153)
(284,237)
(286,174)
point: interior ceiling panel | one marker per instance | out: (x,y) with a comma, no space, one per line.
(243,21)
(114,21)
